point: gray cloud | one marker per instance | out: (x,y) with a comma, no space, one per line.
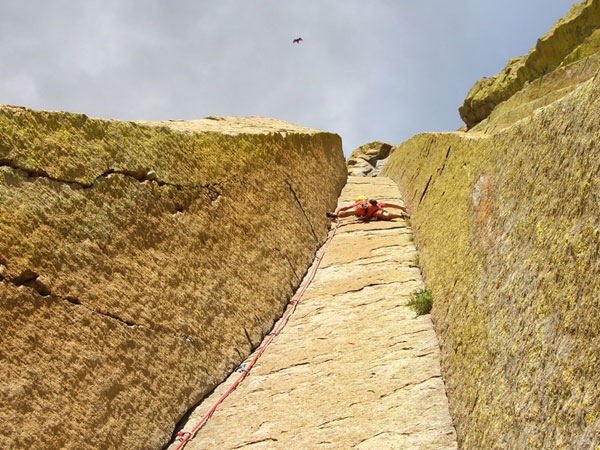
(368,70)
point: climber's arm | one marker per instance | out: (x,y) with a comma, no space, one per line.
(346,208)
(392,205)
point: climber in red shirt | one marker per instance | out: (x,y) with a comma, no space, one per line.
(369,209)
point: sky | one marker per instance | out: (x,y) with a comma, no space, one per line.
(368,70)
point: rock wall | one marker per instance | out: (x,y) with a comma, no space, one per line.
(140,263)
(507,223)
(368,160)
(574,42)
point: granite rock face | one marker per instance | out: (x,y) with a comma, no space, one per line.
(141,263)
(353,368)
(569,50)
(507,222)
(368,160)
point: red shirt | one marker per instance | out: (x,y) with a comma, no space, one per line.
(364,208)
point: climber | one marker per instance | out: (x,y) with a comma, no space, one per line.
(368,209)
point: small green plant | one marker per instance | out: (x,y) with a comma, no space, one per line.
(421,302)
(416,262)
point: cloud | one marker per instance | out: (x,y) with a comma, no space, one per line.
(367,70)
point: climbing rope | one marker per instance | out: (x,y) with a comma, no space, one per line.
(186,436)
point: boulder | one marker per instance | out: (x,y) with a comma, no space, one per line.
(367,160)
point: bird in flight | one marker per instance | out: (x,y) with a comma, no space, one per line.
(297,41)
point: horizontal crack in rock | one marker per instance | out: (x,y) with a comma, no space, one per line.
(31,280)
(213,189)
(259,441)
(409,385)
(129,323)
(382,433)
(417,331)
(368,261)
(370,285)
(378,232)
(282,369)
(329,422)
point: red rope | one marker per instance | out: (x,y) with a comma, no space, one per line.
(186,436)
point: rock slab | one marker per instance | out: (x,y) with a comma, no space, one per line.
(139,264)
(508,232)
(354,367)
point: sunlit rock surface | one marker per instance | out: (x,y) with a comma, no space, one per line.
(559,61)
(507,223)
(141,263)
(353,367)
(368,160)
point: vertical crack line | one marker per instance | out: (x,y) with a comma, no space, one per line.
(441,169)
(248,337)
(306,219)
(425,190)
(284,257)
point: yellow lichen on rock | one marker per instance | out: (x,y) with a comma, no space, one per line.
(571,39)
(505,222)
(139,264)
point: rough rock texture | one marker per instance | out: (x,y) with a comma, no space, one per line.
(353,368)
(367,160)
(140,264)
(507,224)
(571,46)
